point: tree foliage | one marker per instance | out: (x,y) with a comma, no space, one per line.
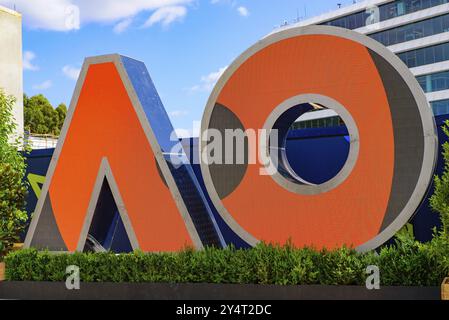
(13,189)
(440,199)
(41,117)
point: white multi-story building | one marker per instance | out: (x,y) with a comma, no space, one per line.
(11,81)
(416,30)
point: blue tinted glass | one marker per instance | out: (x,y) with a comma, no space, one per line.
(440,107)
(434,82)
(387,11)
(423,56)
(413,31)
(151,103)
(182,172)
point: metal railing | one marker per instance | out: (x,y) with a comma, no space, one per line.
(41,141)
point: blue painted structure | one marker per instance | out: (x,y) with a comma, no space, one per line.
(315,155)
(195,201)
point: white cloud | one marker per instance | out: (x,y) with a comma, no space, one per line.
(71,72)
(188,133)
(178,113)
(122,25)
(194,131)
(166,15)
(113,10)
(213,77)
(183,133)
(59,15)
(28,57)
(208,82)
(233,3)
(43,86)
(66,15)
(243,11)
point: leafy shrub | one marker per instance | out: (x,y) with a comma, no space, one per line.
(402,264)
(12,171)
(414,264)
(440,198)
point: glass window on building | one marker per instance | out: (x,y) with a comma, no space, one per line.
(434,82)
(440,107)
(427,55)
(386,11)
(413,31)
(319,123)
(402,7)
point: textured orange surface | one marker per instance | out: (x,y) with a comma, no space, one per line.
(341,69)
(106,125)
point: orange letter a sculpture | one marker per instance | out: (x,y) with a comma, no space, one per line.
(116,142)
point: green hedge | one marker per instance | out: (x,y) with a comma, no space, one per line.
(411,264)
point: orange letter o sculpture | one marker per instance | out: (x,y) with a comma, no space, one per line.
(392,133)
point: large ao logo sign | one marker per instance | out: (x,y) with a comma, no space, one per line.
(116,140)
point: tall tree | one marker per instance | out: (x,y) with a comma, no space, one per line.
(62,113)
(12,184)
(41,117)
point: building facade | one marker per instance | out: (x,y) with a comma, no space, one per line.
(416,30)
(11,69)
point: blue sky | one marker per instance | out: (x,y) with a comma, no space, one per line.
(185,44)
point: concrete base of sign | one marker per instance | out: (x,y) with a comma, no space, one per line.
(160,291)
